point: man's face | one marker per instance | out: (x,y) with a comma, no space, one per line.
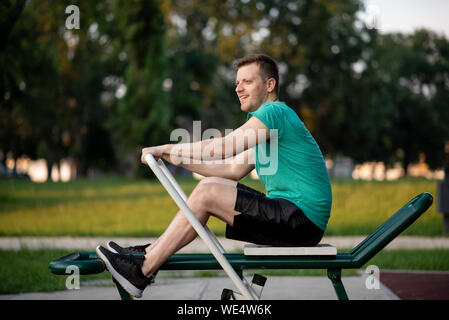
(250,88)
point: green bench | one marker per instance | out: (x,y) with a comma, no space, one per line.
(89,263)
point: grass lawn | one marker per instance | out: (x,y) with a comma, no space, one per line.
(126,207)
(27,270)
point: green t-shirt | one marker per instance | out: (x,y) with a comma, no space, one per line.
(290,164)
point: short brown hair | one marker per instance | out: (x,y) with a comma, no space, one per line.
(267,66)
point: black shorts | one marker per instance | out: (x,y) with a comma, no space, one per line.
(266,221)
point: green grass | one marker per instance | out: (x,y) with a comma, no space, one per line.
(125,207)
(361,206)
(27,270)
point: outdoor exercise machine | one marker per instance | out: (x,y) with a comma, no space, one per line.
(254,257)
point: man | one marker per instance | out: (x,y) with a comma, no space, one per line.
(296,208)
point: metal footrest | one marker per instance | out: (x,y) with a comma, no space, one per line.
(257,284)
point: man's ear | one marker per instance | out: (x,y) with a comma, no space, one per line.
(271,84)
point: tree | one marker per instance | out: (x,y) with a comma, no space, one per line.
(143,115)
(53,91)
(136,69)
(26,98)
(413,72)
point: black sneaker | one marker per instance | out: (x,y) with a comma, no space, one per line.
(114,247)
(126,269)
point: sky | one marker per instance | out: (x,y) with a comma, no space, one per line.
(408,15)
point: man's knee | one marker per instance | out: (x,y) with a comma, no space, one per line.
(199,197)
(204,194)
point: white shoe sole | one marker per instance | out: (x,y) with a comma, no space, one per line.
(128,286)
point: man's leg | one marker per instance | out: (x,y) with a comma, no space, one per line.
(212,196)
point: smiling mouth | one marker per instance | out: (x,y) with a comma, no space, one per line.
(243,98)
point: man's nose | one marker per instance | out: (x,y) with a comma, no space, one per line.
(238,88)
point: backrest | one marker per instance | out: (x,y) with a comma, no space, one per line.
(394,226)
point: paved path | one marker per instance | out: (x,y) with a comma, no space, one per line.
(276,288)
(86,243)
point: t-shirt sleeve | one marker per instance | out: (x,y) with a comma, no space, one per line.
(271,116)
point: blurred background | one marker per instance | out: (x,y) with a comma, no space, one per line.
(370,79)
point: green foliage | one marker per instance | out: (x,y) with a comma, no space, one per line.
(143,116)
(333,73)
(51,102)
(24,58)
(412,73)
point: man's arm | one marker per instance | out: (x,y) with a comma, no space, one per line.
(240,166)
(232,145)
(243,138)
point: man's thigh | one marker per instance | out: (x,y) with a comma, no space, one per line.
(219,180)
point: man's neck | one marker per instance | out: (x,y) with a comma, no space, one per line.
(272,99)
(269,99)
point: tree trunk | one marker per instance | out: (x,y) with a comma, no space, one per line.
(3,161)
(49,168)
(14,170)
(81,167)
(406,163)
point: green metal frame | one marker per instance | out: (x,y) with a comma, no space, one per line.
(89,263)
